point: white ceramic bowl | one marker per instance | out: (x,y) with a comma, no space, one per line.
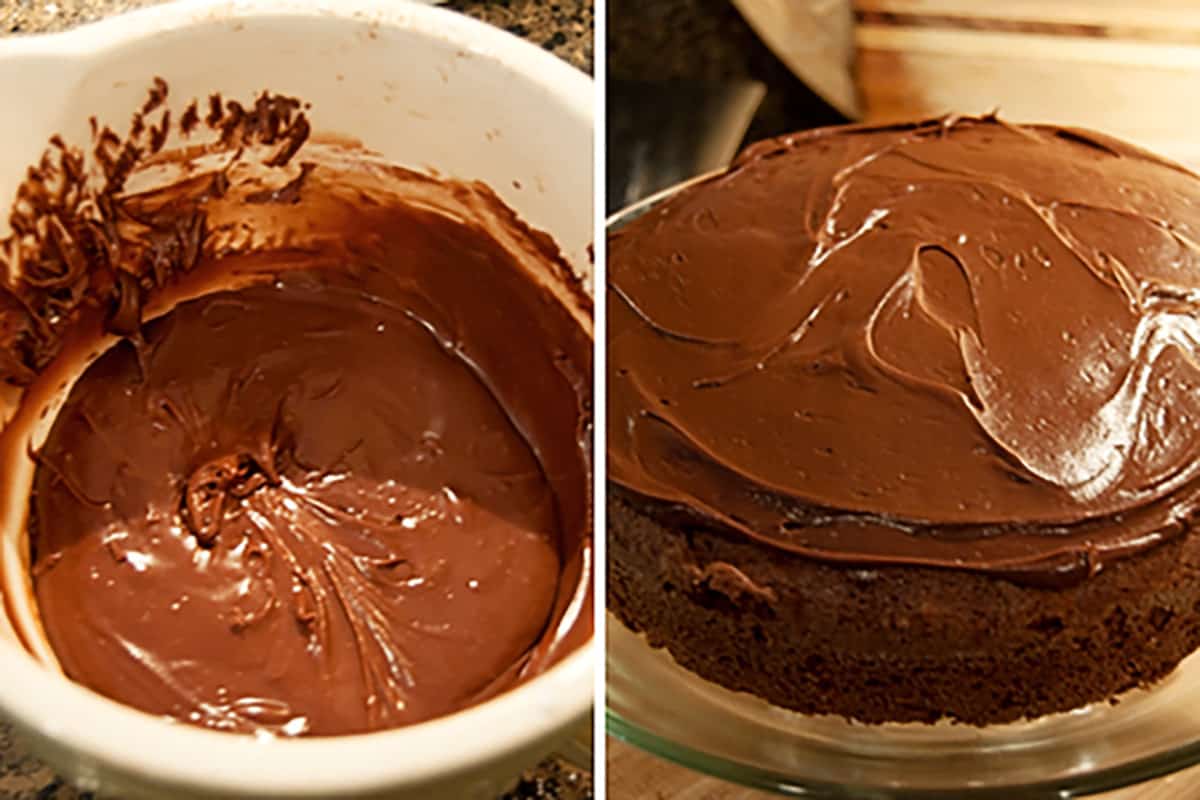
(426,88)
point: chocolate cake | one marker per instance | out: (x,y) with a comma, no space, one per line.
(903,421)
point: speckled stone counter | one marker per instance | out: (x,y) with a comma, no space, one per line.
(563,27)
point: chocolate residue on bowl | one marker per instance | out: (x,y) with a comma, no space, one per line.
(335,477)
(76,242)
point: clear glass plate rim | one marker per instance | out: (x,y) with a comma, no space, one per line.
(1104,780)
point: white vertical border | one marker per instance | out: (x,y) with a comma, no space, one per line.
(599,393)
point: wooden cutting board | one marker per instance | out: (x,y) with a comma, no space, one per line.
(636,775)
(1130,68)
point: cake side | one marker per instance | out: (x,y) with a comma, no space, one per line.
(897,644)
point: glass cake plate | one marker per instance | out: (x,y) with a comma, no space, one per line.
(656,705)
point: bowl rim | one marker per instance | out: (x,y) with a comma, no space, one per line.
(105,735)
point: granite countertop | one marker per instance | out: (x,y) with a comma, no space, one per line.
(563,27)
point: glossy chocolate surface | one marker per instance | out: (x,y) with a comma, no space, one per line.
(959,342)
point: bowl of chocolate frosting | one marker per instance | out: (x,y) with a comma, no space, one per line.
(295,373)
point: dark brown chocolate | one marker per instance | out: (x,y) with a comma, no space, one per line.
(344,485)
(957,343)
(897,643)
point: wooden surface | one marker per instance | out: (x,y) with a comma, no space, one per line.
(635,775)
(1163,20)
(1125,67)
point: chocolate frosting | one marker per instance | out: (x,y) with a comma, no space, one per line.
(344,484)
(957,343)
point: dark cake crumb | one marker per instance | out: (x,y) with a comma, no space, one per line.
(910,644)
